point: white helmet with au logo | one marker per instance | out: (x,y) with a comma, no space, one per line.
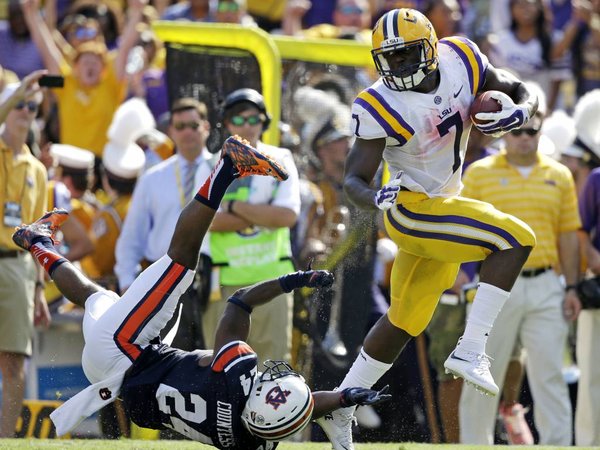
(280,403)
(410,33)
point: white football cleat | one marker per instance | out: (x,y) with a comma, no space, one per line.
(337,425)
(474,368)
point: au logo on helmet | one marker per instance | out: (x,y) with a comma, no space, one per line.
(276,397)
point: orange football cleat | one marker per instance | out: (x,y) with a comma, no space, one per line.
(47,225)
(249,161)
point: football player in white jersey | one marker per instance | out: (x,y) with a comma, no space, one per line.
(416,118)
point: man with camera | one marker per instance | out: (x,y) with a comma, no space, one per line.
(22,199)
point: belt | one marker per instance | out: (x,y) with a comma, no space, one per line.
(531,273)
(10,253)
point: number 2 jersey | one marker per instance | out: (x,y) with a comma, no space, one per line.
(426,133)
(166,388)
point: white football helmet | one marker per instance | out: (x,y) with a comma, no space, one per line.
(280,403)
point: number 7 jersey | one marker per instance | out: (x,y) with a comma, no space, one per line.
(426,133)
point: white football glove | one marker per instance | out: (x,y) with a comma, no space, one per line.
(385,197)
(511,116)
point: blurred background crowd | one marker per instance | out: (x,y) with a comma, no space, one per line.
(137,126)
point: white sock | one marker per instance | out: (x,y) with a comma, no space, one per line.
(488,302)
(364,372)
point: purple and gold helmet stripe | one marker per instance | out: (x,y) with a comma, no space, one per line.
(389,31)
(385,115)
(451,228)
(467,51)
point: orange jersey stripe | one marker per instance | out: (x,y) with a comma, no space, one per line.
(153,300)
(230,354)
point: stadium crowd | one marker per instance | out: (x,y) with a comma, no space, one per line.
(112,140)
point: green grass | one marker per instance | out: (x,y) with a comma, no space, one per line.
(96,444)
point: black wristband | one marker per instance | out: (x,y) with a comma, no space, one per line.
(236,301)
(40,284)
(291,281)
(230,207)
(570,286)
(343,400)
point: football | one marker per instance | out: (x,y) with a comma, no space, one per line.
(483,103)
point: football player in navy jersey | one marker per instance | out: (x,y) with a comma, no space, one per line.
(416,118)
(215,397)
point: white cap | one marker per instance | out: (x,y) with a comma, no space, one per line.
(587,111)
(10,89)
(72,157)
(124,162)
(560,128)
(574,151)
(547,147)
(131,120)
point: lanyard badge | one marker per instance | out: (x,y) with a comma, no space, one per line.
(12,214)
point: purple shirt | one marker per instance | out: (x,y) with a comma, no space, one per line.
(319,12)
(156,92)
(19,55)
(589,207)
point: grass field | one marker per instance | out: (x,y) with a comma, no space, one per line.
(186,445)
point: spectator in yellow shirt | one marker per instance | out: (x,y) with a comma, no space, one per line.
(94,87)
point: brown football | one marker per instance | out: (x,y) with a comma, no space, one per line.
(483,103)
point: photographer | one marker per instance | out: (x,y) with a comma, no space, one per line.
(22,199)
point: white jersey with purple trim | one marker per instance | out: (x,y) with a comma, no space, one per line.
(426,134)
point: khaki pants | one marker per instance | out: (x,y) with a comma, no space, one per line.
(587,416)
(270,329)
(17,286)
(532,316)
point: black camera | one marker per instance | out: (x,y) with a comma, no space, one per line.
(589,293)
(52,81)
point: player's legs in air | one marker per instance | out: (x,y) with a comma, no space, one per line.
(116,330)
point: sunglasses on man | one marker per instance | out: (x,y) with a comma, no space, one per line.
(84,33)
(31,105)
(183,125)
(348,10)
(527,131)
(225,7)
(239,121)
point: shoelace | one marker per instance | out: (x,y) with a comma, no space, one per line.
(483,364)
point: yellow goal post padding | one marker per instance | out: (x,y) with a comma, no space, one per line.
(252,40)
(342,52)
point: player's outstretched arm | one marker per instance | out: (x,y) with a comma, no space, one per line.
(361,165)
(328,401)
(235,321)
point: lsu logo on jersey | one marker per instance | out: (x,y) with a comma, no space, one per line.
(276,397)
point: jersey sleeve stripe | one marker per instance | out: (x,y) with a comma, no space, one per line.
(146,309)
(385,115)
(471,60)
(226,359)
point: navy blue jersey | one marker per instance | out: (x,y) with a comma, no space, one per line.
(166,388)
